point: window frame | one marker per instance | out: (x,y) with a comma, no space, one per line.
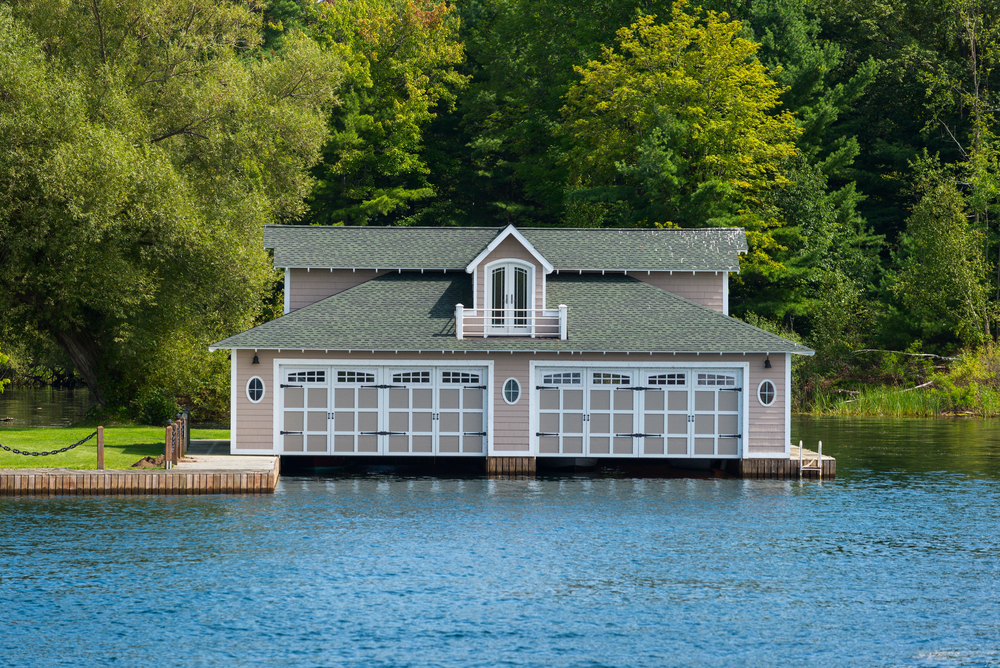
(508,327)
(774,393)
(263,389)
(503,391)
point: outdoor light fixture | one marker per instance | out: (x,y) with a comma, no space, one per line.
(257,361)
(767,361)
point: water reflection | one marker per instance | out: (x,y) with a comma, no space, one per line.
(43,406)
(868,446)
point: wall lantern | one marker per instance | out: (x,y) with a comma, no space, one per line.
(257,361)
(767,361)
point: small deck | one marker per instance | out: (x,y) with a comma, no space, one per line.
(196,473)
(788,469)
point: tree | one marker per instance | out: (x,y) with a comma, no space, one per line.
(400,58)
(681,124)
(943,281)
(3,381)
(143,145)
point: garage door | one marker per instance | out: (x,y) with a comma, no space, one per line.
(382,410)
(653,412)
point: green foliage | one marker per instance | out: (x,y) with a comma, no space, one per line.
(155,406)
(943,279)
(145,144)
(400,59)
(682,124)
(3,381)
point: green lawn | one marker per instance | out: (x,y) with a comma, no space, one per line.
(123,446)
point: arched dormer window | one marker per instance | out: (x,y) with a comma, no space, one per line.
(510,296)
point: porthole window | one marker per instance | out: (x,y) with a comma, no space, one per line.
(255,389)
(766,393)
(511,390)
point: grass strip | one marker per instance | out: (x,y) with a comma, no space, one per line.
(123,446)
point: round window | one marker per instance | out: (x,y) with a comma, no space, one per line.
(766,393)
(255,389)
(511,391)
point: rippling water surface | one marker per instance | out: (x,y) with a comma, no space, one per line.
(887,565)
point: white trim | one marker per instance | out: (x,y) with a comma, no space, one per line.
(744,448)
(336,361)
(246,389)
(503,391)
(734,270)
(510,230)
(501,350)
(788,404)
(725,293)
(475,290)
(232,402)
(488,292)
(288,290)
(774,396)
(544,291)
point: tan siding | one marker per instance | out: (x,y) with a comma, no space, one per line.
(705,288)
(509,248)
(511,423)
(767,422)
(511,432)
(310,286)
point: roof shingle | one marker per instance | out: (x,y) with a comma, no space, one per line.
(709,249)
(412,311)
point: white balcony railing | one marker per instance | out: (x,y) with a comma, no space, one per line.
(535,323)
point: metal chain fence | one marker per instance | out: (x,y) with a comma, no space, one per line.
(51,452)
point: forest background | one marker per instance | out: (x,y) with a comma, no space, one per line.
(145,143)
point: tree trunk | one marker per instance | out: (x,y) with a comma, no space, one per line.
(83,353)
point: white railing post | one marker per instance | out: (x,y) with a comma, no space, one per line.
(563,329)
(459,314)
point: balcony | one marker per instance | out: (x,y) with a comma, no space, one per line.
(533,323)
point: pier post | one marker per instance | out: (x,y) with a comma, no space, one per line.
(100,448)
(168,446)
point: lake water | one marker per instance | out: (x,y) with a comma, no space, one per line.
(43,406)
(895,563)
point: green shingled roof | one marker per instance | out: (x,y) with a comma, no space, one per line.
(411,311)
(712,249)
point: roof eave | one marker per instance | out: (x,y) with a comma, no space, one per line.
(509,231)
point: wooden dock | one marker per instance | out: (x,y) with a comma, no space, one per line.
(194,474)
(787,469)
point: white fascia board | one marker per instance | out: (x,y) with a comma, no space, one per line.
(725,293)
(788,406)
(506,351)
(510,230)
(287,290)
(232,403)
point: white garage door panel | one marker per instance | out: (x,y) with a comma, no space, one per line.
(306,414)
(385,410)
(650,412)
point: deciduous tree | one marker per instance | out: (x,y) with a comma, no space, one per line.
(679,123)
(143,145)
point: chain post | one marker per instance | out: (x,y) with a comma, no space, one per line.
(168,445)
(100,448)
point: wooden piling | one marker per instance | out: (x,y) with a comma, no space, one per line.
(100,448)
(510,467)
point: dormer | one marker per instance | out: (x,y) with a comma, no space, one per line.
(508,289)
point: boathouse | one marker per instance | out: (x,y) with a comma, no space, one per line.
(521,343)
